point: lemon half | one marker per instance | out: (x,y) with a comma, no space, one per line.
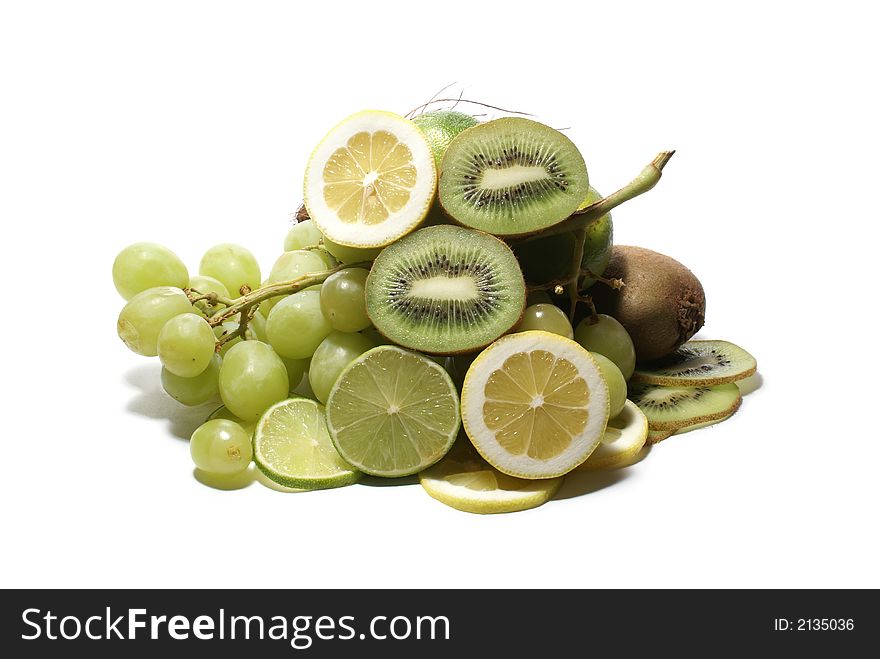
(534,404)
(371,180)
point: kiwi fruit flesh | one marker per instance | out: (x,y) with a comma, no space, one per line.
(671,408)
(511,177)
(545,260)
(445,290)
(699,363)
(661,305)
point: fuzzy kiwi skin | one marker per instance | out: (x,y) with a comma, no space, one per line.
(661,305)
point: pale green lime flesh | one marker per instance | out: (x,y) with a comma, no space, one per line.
(393,412)
(293,448)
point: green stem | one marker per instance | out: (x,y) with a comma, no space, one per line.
(255,297)
(580,219)
(580,238)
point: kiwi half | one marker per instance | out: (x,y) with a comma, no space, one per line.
(445,290)
(512,176)
(699,364)
(671,408)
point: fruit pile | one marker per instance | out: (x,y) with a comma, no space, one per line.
(449,304)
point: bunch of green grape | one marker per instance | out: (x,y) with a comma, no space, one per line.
(250,359)
(216,345)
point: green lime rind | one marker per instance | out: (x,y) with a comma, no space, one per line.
(292,447)
(293,482)
(440,127)
(393,412)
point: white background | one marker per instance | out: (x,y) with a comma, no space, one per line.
(190,124)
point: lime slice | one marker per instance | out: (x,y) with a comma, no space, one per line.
(624,437)
(371,180)
(393,412)
(464,481)
(534,404)
(292,447)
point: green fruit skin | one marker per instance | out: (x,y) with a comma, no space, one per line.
(252,378)
(141,266)
(194,391)
(441,127)
(334,354)
(548,259)
(142,318)
(615,381)
(609,338)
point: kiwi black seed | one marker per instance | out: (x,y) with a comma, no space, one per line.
(671,408)
(445,290)
(699,363)
(661,305)
(512,176)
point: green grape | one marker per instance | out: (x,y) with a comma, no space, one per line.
(232,265)
(615,381)
(608,337)
(302,234)
(297,263)
(336,352)
(547,317)
(204,284)
(193,391)
(345,254)
(221,446)
(252,378)
(186,345)
(296,325)
(291,265)
(144,315)
(231,327)
(296,368)
(147,265)
(257,324)
(343,300)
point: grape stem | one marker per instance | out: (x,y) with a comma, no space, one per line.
(246,303)
(648,178)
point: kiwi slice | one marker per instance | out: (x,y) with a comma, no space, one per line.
(671,408)
(657,436)
(699,364)
(445,290)
(512,177)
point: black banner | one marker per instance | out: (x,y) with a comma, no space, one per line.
(333,623)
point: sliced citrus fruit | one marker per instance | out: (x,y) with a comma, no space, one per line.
(534,404)
(293,448)
(393,412)
(464,481)
(370,180)
(624,437)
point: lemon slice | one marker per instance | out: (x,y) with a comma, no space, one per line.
(464,481)
(371,180)
(624,437)
(393,412)
(534,404)
(292,447)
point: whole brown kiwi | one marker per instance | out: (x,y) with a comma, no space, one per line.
(661,305)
